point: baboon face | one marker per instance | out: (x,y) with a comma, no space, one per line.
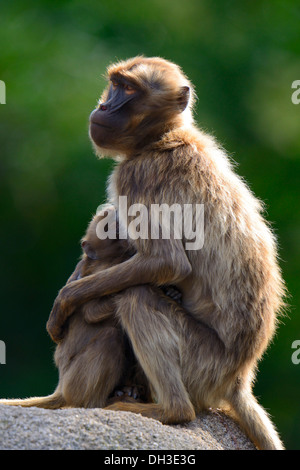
(114,114)
(143,100)
(98,249)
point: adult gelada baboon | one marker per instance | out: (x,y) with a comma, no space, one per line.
(232,288)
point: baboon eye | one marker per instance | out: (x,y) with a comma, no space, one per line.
(129,90)
(114,84)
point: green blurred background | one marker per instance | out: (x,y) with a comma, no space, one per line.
(241,56)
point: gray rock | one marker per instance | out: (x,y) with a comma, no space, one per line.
(79,429)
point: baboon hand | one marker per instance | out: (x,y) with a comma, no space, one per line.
(60,312)
(173,293)
(56,332)
(55,323)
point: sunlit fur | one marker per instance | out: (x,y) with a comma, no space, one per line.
(161,82)
(92,354)
(232,287)
(205,353)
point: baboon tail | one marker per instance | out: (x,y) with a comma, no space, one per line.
(254,420)
(51,402)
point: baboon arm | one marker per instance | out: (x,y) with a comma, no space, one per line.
(74,276)
(135,271)
(97,310)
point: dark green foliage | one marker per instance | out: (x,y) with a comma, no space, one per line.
(242,58)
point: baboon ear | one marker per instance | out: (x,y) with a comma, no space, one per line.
(89,251)
(184,96)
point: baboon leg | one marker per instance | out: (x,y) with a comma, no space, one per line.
(189,371)
(151,410)
(156,347)
(210,373)
(87,376)
(95,371)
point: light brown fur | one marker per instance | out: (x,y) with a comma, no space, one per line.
(232,288)
(93,355)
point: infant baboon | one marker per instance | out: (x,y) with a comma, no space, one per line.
(95,360)
(93,355)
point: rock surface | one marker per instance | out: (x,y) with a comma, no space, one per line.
(88,429)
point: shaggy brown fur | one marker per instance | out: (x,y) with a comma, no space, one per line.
(95,359)
(232,287)
(93,356)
